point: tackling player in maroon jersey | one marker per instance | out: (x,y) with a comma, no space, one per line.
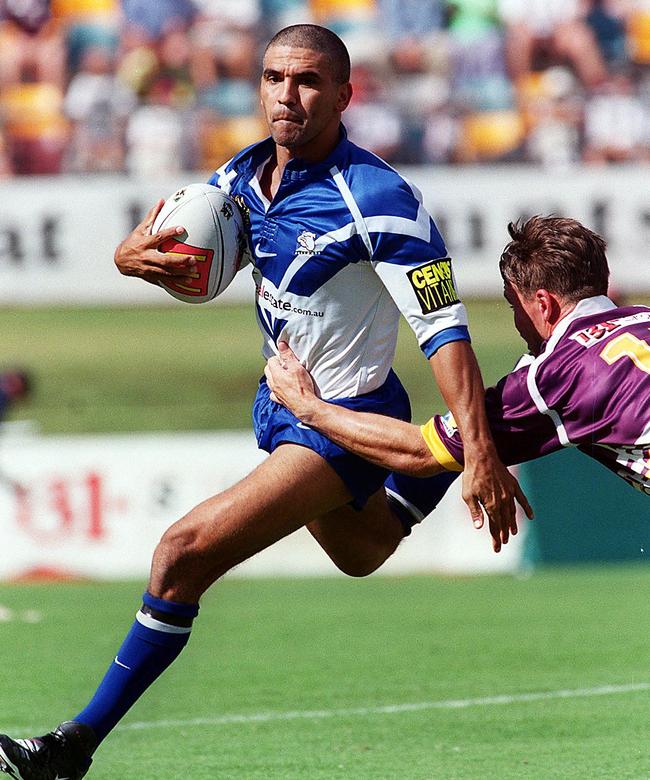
(585,383)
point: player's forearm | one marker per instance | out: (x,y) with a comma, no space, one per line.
(459,378)
(385,441)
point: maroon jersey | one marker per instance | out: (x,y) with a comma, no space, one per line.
(588,388)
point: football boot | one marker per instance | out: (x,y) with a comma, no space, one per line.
(63,754)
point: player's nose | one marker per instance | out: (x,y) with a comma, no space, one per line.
(288,93)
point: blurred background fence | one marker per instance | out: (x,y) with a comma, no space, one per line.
(57,235)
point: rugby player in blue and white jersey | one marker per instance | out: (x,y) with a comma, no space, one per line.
(341,245)
(585,383)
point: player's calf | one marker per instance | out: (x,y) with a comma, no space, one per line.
(359,541)
(161,630)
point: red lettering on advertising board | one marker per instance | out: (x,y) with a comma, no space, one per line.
(61,507)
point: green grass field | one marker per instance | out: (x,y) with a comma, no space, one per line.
(358,680)
(184,367)
(424,678)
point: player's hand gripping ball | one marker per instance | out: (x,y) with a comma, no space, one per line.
(214,236)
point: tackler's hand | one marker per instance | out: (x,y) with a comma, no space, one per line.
(489,486)
(290,383)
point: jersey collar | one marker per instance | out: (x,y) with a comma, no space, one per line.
(297,169)
(584,308)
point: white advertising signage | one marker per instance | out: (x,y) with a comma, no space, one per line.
(473,206)
(96,506)
(58,235)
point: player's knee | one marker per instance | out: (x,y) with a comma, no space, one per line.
(180,558)
(177,544)
(361,566)
(359,570)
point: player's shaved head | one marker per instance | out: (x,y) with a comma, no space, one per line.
(555,254)
(316,38)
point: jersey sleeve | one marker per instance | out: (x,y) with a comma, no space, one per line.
(520,431)
(411,259)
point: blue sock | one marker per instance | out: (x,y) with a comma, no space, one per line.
(161,630)
(413,498)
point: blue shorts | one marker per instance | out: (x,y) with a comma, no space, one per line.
(275,425)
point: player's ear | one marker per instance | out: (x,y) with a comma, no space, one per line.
(345,96)
(547,304)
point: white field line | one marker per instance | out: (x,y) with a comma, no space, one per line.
(390,709)
(386,709)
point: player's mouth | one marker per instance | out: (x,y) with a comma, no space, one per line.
(295,120)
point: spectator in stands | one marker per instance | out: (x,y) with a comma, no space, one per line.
(372,119)
(225,43)
(159,142)
(617,123)
(154,19)
(218,15)
(162,132)
(478,69)
(404,20)
(490,126)
(224,58)
(282,13)
(32,75)
(98,104)
(87,24)
(442,133)
(138,59)
(607,21)
(31,44)
(231,88)
(351,19)
(550,32)
(413,31)
(416,45)
(550,103)
(171,81)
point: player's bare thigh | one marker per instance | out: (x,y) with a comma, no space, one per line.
(359,542)
(291,486)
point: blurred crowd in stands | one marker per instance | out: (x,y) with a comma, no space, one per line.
(153,87)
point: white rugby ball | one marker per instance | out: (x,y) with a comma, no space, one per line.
(214,235)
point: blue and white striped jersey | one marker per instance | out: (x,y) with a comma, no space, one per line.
(345,245)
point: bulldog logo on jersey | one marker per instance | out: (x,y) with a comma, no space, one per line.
(306,243)
(433,284)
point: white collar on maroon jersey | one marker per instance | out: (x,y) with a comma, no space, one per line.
(584,308)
